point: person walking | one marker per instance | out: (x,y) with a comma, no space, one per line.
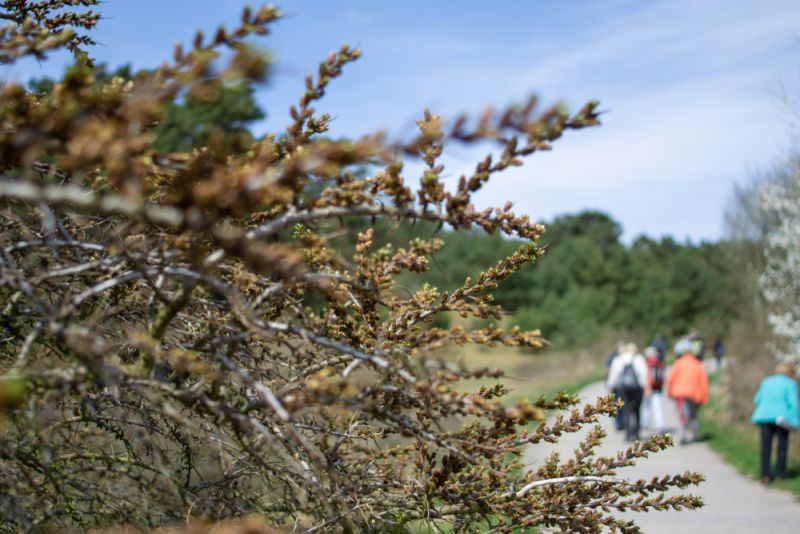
(652,406)
(687,384)
(698,346)
(719,352)
(618,423)
(628,375)
(777,411)
(661,346)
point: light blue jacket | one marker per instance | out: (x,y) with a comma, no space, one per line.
(777,397)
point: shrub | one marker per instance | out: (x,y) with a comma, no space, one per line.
(181,340)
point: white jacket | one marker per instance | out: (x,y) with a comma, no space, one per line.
(618,366)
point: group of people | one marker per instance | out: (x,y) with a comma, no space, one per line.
(641,380)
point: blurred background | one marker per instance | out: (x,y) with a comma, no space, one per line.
(662,221)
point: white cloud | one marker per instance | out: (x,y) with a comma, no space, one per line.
(690,88)
(691,91)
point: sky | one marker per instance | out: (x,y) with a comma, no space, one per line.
(693,92)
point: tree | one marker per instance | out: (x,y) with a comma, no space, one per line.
(181,339)
(201,120)
(779,279)
(219,114)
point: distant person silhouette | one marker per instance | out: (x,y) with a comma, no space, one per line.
(652,406)
(687,384)
(661,346)
(719,352)
(698,346)
(618,422)
(777,411)
(628,375)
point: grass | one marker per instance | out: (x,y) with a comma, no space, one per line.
(530,375)
(737,442)
(527,375)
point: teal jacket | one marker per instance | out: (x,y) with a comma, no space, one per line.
(777,397)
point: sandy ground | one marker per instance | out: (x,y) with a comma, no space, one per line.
(733,503)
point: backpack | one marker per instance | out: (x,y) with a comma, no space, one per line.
(628,381)
(657,376)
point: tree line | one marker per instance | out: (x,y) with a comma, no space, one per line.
(590,283)
(587,284)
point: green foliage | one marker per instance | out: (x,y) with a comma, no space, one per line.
(197,121)
(220,114)
(465,254)
(589,282)
(577,317)
(12,392)
(100,72)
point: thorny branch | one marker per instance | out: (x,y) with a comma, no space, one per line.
(180,338)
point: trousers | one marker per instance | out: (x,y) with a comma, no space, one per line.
(630,412)
(653,411)
(768,430)
(689,422)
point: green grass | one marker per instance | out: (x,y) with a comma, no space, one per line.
(738,442)
(531,376)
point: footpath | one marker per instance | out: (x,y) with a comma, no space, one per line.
(733,503)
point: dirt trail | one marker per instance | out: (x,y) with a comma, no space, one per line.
(734,503)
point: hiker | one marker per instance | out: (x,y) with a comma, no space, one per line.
(628,375)
(719,352)
(777,411)
(652,406)
(687,383)
(698,347)
(617,394)
(661,346)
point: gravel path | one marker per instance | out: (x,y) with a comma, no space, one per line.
(733,503)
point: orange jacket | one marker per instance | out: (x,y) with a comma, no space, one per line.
(688,380)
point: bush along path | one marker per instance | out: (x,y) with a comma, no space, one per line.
(733,502)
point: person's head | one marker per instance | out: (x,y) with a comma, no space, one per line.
(629,347)
(684,346)
(785,368)
(651,352)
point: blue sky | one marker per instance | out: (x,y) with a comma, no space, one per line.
(693,89)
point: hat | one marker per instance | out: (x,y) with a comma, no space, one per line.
(683,346)
(651,351)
